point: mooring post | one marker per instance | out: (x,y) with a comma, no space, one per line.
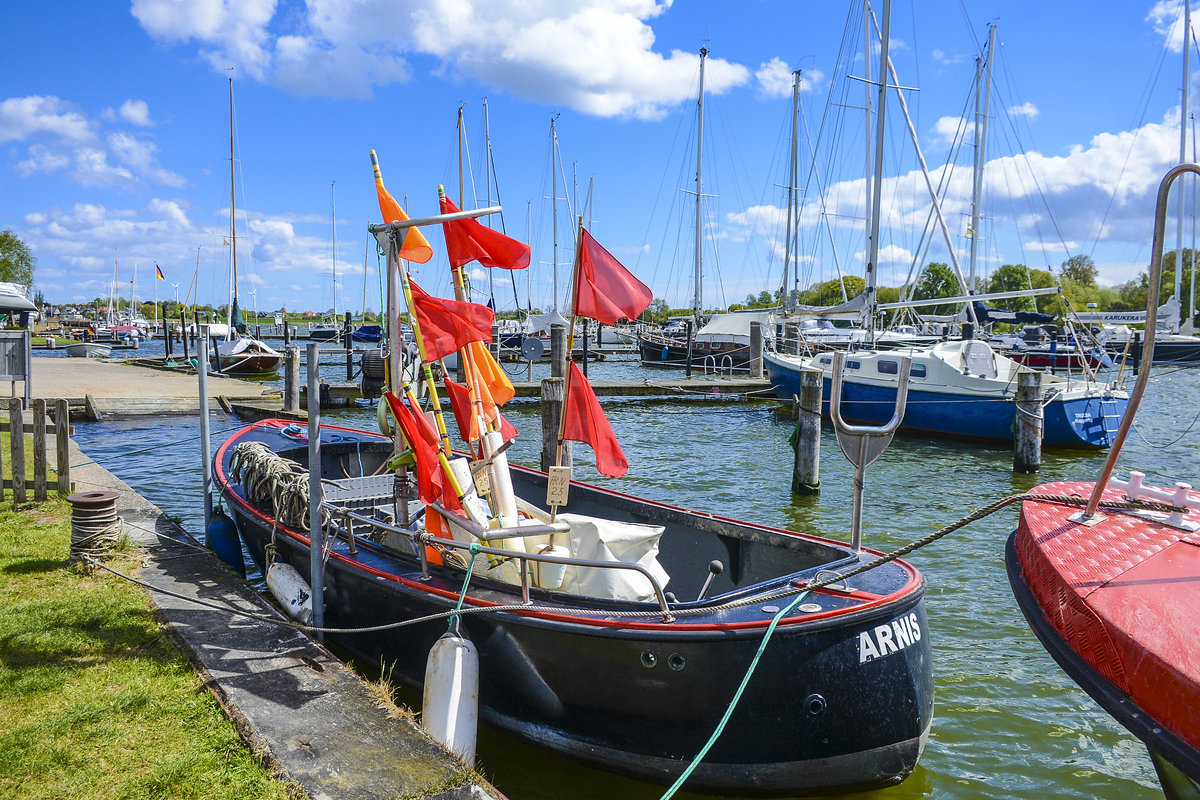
(687,356)
(62,439)
(205,444)
(316,536)
(348,338)
(585,346)
(553,390)
(183,334)
(791,338)
(1027,442)
(806,438)
(291,378)
(756,350)
(287,333)
(558,351)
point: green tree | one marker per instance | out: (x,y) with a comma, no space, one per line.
(1012,278)
(937,280)
(657,312)
(16,261)
(829,293)
(1080,269)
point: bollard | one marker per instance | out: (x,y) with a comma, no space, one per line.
(553,390)
(558,351)
(291,379)
(1027,441)
(806,438)
(756,350)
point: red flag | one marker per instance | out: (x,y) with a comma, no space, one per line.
(447,325)
(467,240)
(606,291)
(585,422)
(430,481)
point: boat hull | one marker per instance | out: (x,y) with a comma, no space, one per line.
(1072,421)
(830,706)
(659,351)
(1116,604)
(88,350)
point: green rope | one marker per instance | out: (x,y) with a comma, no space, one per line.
(462,595)
(737,696)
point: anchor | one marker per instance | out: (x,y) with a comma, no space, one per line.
(863,444)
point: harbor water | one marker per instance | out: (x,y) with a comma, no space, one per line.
(1008,723)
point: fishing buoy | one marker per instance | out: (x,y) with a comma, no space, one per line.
(550,576)
(222,538)
(450,706)
(382,412)
(291,590)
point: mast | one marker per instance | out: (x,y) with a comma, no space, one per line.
(113,292)
(333,225)
(554,202)
(793,176)
(1183,116)
(877,189)
(698,297)
(232,223)
(981,123)
(868,14)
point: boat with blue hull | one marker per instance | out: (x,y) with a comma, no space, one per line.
(841,699)
(961,389)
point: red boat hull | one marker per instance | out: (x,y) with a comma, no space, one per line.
(1118,605)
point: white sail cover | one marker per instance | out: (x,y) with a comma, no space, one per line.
(734,327)
(597,539)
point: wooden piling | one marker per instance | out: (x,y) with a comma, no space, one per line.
(558,351)
(806,439)
(756,350)
(553,396)
(791,339)
(287,334)
(1027,442)
(687,357)
(291,379)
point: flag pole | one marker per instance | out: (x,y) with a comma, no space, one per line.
(562,419)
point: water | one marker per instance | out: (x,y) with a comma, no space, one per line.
(1008,723)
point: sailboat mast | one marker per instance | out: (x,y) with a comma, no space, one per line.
(232,222)
(333,238)
(1183,115)
(698,297)
(793,177)
(877,189)
(554,203)
(982,82)
(868,110)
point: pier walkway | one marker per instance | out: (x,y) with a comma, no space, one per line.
(312,720)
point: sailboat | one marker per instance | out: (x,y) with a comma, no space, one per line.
(329,331)
(239,353)
(956,388)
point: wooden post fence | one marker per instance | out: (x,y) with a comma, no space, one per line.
(17,426)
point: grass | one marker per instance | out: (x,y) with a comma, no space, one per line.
(97,701)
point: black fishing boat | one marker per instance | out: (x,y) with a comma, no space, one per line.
(840,699)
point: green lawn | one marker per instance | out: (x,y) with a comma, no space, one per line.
(96,701)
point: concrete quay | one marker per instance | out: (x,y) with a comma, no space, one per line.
(309,718)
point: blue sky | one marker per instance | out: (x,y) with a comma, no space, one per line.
(114,135)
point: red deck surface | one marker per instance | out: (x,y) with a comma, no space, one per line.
(1125,595)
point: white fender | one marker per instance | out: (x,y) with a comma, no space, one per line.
(291,590)
(502,489)
(450,707)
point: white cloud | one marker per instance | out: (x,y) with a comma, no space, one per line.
(595,56)
(947,131)
(27,117)
(947,59)
(1167,18)
(136,112)
(775,79)
(141,157)
(1026,109)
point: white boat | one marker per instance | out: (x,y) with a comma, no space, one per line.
(89,350)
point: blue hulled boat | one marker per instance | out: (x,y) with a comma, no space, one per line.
(961,389)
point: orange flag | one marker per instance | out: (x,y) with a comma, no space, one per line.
(605,290)
(491,373)
(416,247)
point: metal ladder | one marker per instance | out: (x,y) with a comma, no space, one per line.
(1108,411)
(863,444)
